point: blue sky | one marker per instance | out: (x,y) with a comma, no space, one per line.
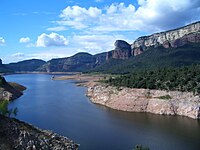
(46,29)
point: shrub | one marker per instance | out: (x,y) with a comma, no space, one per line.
(4,109)
(165,97)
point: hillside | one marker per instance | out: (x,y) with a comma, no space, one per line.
(154,58)
(26,65)
(184,79)
(76,63)
(15,134)
(3,68)
(175,48)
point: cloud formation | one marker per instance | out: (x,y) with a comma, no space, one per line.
(24,40)
(150,16)
(58,28)
(95,43)
(2,41)
(18,55)
(79,17)
(53,39)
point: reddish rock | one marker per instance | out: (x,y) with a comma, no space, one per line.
(122,51)
(137,51)
(166,44)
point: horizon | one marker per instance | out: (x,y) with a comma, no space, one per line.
(62,29)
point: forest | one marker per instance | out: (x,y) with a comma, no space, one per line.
(185,79)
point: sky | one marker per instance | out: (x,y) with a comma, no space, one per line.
(46,29)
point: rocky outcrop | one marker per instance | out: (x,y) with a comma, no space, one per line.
(144,100)
(172,38)
(15,134)
(122,50)
(10,91)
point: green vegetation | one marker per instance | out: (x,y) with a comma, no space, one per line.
(165,97)
(154,58)
(4,109)
(172,79)
(2,80)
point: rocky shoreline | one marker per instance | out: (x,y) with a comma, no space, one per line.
(15,134)
(145,100)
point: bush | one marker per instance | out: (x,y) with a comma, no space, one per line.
(4,109)
(165,97)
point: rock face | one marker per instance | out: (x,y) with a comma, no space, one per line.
(15,134)
(122,50)
(8,92)
(172,38)
(144,100)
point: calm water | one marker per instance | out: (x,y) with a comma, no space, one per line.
(61,106)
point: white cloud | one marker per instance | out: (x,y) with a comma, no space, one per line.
(24,40)
(150,16)
(18,55)
(58,28)
(2,41)
(79,17)
(53,39)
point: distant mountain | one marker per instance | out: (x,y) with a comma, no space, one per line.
(170,48)
(26,65)
(3,68)
(76,63)
(154,58)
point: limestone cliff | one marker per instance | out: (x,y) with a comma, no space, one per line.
(144,100)
(122,50)
(172,38)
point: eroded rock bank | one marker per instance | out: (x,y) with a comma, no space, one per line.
(15,134)
(9,90)
(145,100)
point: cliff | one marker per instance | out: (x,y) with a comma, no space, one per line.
(122,50)
(172,38)
(15,134)
(144,100)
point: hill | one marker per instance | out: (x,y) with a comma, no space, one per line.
(26,65)
(154,58)
(3,68)
(76,63)
(175,48)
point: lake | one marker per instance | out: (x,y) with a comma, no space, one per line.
(62,107)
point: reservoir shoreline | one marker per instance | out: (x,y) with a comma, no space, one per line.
(138,100)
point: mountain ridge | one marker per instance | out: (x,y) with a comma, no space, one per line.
(174,39)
